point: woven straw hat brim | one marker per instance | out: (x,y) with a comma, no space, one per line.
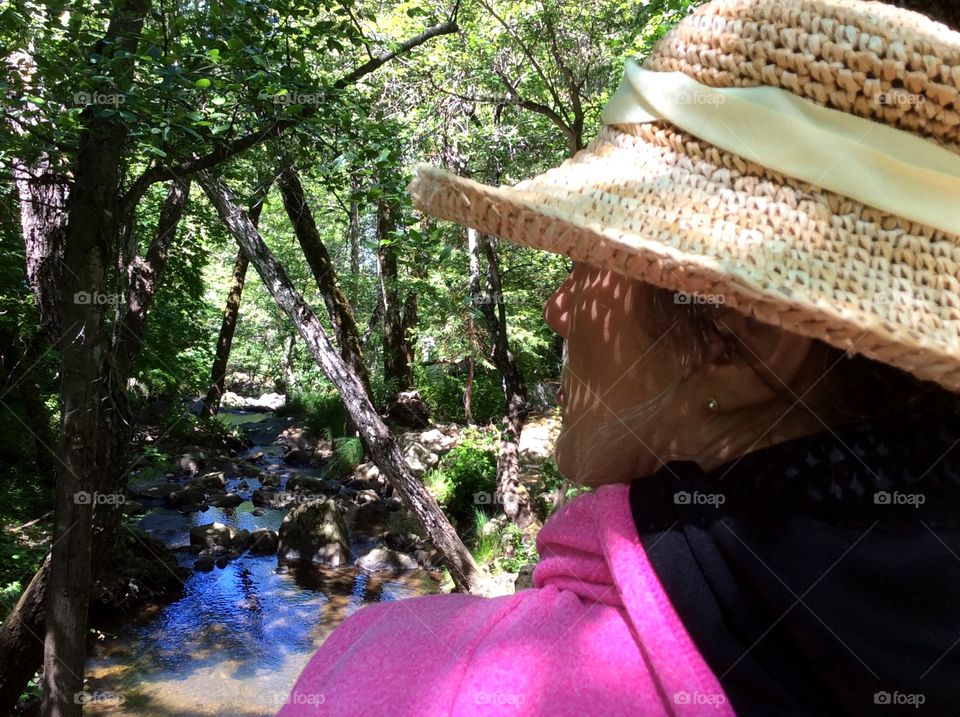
(655,203)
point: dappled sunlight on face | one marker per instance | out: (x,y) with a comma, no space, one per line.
(616,361)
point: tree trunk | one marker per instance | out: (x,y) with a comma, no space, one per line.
(21,640)
(324,272)
(42,194)
(95,425)
(396,368)
(43,198)
(218,371)
(377,439)
(354,229)
(510,491)
(145,275)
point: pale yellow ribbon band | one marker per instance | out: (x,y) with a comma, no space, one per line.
(878,165)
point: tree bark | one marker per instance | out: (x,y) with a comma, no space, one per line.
(21,640)
(377,439)
(324,272)
(218,371)
(145,275)
(396,368)
(43,196)
(95,426)
(42,193)
(510,491)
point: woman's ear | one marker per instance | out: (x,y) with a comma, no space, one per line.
(752,361)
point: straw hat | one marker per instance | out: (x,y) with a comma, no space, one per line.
(798,158)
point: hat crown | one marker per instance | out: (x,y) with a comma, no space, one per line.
(868,59)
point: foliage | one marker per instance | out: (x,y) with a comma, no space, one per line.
(189,428)
(440,485)
(319,409)
(347,454)
(523,550)
(472,471)
(552,482)
(443,391)
(486,539)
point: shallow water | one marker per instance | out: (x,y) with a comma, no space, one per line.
(238,638)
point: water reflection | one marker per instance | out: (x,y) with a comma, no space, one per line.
(237,639)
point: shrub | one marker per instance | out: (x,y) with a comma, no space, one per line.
(319,409)
(347,454)
(471,469)
(486,542)
(439,484)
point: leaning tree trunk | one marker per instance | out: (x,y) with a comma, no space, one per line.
(510,491)
(218,372)
(21,640)
(396,368)
(324,272)
(375,435)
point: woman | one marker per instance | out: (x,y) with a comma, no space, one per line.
(763,336)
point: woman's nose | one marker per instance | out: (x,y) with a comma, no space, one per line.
(556,312)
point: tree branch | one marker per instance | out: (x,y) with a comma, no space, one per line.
(274,129)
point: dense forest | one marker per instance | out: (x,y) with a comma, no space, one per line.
(225,334)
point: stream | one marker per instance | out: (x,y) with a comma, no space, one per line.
(237,639)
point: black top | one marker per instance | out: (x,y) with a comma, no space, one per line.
(821,575)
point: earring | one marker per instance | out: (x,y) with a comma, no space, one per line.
(713,404)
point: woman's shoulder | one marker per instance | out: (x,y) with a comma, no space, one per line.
(595,636)
(417,656)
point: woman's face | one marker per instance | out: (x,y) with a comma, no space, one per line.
(616,361)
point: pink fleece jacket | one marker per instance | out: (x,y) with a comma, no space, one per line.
(596,636)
